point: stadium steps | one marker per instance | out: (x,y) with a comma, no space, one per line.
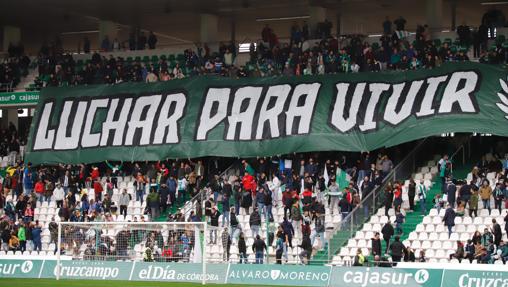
(411,221)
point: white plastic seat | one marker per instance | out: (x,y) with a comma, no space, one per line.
(426,220)
(416,244)
(460,228)
(437,220)
(433,212)
(412,236)
(426,244)
(443,236)
(440,228)
(484,213)
(478,221)
(436,245)
(467,220)
(494,213)
(420,228)
(454,236)
(447,245)
(433,236)
(423,236)
(429,228)
(383,219)
(464,237)
(374,219)
(458,220)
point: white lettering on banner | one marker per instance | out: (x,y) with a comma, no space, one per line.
(391,114)
(426,106)
(462,96)
(87,272)
(389,278)
(243,115)
(135,122)
(89,139)
(304,112)
(248,112)
(44,136)
(11,268)
(459,90)
(169,122)
(211,118)
(117,126)
(271,115)
(63,142)
(167,273)
(338,119)
(376,90)
(276,274)
(487,280)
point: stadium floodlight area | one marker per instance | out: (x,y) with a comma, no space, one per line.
(182,242)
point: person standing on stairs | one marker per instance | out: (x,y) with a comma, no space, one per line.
(387,232)
(388,198)
(422,196)
(411,192)
(449,219)
(399,220)
(376,245)
(485,194)
(451,190)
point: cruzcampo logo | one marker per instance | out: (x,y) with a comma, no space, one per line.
(503,105)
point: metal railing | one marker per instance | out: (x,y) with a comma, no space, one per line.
(200,198)
(369,205)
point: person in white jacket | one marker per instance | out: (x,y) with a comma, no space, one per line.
(58,195)
(275,188)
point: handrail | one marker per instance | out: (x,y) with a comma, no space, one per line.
(201,195)
(371,197)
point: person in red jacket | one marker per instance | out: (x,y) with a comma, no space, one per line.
(249,183)
(98,189)
(39,190)
(95,173)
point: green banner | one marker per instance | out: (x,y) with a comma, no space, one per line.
(286,275)
(362,277)
(17,99)
(213,116)
(261,274)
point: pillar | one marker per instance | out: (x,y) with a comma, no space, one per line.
(453,8)
(209,30)
(9,115)
(317,15)
(434,15)
(107,28)
(11,35)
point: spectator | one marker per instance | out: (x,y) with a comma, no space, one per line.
(259,247)
(255,222)
(152,40)
(214,225)
(459,252)
(449,219)
(226,244)
(397,249)
(496,231)
(387,232)
(242,249)
(376,245)
(485,194)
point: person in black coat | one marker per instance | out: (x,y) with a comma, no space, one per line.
(397,249)
(449,219)
(387,232)
(451,190)
(496,231)
(242,249)
(411,193)
(376,245)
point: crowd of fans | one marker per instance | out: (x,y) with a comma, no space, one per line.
(456,195)
(13,67)
(303,188)
(269,57)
